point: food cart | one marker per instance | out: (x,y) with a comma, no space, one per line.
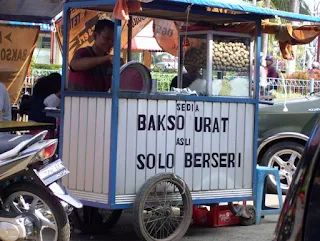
(161,153)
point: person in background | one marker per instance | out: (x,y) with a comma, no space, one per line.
(188,78)
(263,82)
(91,67)
(315,70)
(46,93)
(192,73)
(272,72)
(5,106)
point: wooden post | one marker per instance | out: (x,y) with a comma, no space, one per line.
(129,51)
(147,58)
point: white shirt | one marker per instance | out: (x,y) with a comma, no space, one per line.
(52,101)
(5,106)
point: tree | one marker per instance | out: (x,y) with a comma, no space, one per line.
(295,8)
(290,6)
(285,5)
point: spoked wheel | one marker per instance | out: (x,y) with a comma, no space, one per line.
(53,224)
(162,209)
(91,220)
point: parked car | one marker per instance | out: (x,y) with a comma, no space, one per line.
(300,215)
(165,66)
(283,136)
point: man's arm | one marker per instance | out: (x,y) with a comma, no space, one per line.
(174,83)
(79,63)
(6,115)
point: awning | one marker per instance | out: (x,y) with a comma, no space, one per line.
(144,40)
(144,43)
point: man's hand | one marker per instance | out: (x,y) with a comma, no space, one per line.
(86,63)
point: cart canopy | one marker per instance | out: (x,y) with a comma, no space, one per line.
(46,10)
(214,10)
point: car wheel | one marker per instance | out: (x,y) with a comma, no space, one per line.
(285,156)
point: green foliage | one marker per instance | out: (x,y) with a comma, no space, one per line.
(46,66)
(164,80)
(285,6)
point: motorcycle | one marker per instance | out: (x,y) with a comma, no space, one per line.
(33,203)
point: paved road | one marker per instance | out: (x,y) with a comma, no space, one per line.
(124,232)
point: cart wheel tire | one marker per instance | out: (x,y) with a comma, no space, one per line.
(90,220)
(251,211)
(144,229)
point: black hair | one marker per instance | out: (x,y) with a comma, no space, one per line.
(47,85)
(102,24)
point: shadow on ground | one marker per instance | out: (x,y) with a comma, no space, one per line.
(124,231)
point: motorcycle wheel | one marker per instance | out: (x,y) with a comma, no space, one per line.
(27,197)
(94,221)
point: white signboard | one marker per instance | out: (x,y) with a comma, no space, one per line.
(209,145)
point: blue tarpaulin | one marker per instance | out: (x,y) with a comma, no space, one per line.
(45,10)
(241,6)
(43,26)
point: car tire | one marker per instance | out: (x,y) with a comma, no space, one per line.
(284,150)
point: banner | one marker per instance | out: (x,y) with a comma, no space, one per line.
(166,33)
(17,44)
(82,24)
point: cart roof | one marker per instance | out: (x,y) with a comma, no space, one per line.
(46,10)
(38,11)
(176,10)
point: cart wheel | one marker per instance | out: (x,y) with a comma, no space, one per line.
(94,221)
(251,211)
(162,208)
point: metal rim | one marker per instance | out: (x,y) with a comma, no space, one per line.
(165,210)
(146,76)
(286,161)
(26,202)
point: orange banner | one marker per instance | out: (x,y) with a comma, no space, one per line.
(82,27)
(17,44)
(166,34)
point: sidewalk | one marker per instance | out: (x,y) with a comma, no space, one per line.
(271,200)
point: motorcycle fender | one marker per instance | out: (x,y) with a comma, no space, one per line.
(65,195)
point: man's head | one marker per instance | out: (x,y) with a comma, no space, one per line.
(190,65)
(103,35)
(269,60)
(192,70)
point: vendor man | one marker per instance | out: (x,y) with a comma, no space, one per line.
(91,67)
(193,72)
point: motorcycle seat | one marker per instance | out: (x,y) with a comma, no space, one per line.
(10,141)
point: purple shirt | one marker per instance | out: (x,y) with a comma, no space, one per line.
(96,79)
